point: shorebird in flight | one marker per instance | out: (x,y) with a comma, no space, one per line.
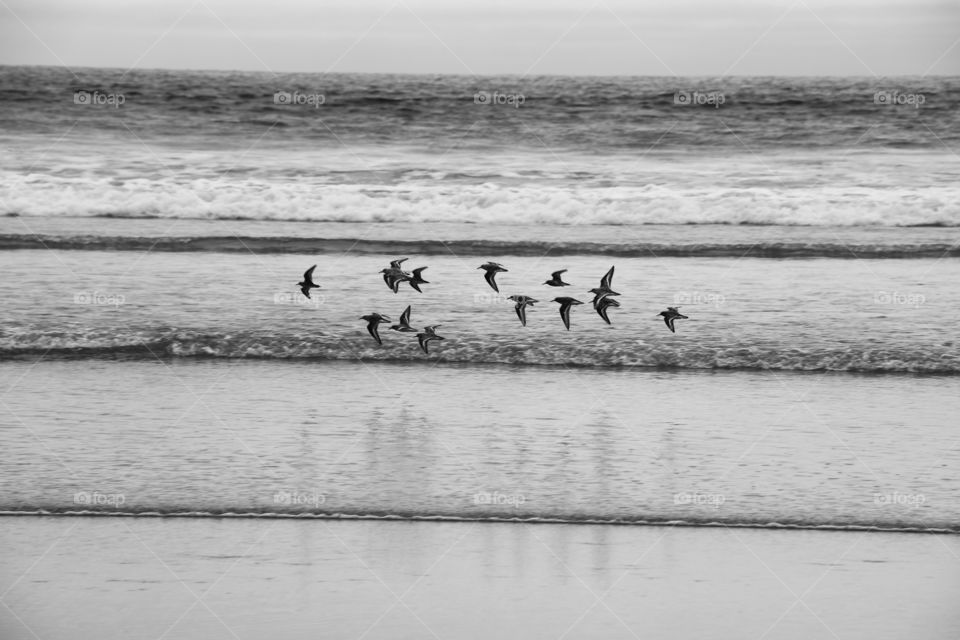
(605,288)
(670,315)
(428,334)
(416,279)
(565,304)
(602,306)
(393,276)
(521,306)
(373,324)
(308,282)
(556,280)
(492,269)
(403,325)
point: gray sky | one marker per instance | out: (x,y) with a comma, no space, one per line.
(597,37)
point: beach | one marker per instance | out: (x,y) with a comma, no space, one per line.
(195,449)
(211,578)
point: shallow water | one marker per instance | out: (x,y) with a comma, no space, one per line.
(862,315)
(425,440)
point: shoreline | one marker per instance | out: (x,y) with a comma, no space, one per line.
(439,518)
(294,580)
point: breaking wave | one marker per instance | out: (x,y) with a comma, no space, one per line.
(476,349)
(297,199)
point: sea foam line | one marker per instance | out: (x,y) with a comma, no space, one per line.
(488,519)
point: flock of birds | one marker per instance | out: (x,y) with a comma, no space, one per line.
(394,276)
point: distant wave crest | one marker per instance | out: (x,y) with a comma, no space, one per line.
(307,245)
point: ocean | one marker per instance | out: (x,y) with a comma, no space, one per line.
(183,428)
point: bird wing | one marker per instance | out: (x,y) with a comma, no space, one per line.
(607,281)
(308,275)
(405,316)
(556,274)
(522,313)
(602,310)
(374,331)
(489,277)
(565,314)
(669,322)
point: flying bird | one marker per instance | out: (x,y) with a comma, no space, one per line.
(393,276)
(565,304)
(308,282)
(373,324)
(403,325)
(605,289)
(492,269)
(556,280)
(602,306)
(417,279)
(428,334)
(670,315)
(521,306)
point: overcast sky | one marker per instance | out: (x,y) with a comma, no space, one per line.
(596,37)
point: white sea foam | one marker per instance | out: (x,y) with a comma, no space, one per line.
(486,203)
